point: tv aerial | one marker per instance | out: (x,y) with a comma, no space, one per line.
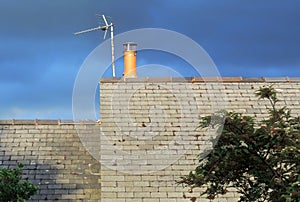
(105,29)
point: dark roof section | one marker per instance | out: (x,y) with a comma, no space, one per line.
(200,79)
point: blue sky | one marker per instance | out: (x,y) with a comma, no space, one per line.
(40,57)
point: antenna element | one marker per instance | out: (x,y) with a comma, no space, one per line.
(105,28)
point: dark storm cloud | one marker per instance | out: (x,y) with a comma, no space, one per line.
(40,57)
(252,33)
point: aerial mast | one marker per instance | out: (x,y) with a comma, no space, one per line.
(105,28)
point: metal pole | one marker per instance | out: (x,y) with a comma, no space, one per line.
(112,50)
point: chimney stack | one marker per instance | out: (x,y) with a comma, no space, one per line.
(130,60)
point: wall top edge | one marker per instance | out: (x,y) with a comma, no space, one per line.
(200,79)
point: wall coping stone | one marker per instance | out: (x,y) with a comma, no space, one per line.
(200,79)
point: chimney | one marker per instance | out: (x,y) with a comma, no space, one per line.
(130,60)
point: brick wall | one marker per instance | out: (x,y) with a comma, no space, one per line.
(150,127)
(147,139)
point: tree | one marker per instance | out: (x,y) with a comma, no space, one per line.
(261,159)
(13,188)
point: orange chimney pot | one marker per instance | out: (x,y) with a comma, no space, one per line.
(130,60)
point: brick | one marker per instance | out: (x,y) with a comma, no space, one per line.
(125,194)
(151,200)
(113,200)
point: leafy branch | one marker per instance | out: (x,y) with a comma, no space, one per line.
(261,159)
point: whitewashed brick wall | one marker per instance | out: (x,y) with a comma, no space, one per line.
(151,135)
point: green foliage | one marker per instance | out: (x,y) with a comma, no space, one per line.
(260,159)
(13,188)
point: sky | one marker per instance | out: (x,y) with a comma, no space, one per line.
(40,57)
